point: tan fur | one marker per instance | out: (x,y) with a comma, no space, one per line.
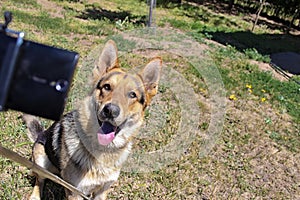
(82,160)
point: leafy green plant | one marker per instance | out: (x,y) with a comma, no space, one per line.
(252,53)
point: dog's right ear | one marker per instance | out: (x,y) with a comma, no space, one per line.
(151,75)
(108,60)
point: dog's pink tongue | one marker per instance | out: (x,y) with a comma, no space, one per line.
(106,133)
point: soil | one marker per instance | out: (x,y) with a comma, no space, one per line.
(52,8)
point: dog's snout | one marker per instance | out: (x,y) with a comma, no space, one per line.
(110,111)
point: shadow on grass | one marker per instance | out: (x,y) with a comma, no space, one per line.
(113,16)
(265,44)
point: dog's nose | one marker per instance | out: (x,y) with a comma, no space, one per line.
(110,111)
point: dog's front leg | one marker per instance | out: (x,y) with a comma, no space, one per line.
(71,196)
(101,196)
(102,191)
(40,158)
(37,189)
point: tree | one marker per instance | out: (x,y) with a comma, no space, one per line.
(230,5)
(262,3)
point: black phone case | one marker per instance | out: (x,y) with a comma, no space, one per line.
(41,79)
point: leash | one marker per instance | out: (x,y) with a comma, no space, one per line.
(39,170)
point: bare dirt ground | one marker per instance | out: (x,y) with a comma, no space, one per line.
(52,8)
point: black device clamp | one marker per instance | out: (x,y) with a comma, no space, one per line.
(34,78)
(9,63)
(8,19)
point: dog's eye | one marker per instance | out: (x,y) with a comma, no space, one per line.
(132,95)
(106,87)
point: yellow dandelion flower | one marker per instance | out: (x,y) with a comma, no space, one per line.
(233,97)
(264,91)
(202,90)
(263,99)
(248,86)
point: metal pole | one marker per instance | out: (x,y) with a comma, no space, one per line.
(152,5)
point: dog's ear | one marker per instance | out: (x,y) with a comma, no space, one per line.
(108,60)
(151,75)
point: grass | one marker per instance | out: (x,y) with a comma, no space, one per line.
(238,72)
(256,154)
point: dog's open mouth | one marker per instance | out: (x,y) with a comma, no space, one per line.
(106,133)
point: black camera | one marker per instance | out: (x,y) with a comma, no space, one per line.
(34,78)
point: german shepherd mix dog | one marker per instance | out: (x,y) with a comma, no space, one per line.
(88,146)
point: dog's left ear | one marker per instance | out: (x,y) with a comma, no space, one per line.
(108,60)
(151,75)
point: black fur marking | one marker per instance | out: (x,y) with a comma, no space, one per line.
(42,138)
(142,100)
(53,155)
(98,84)
(35,127)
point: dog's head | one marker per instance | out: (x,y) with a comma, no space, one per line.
(120,97)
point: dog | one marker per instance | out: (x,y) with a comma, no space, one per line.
(88,146)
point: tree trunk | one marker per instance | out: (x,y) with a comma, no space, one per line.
(262,3)
(230,5)
(296,13)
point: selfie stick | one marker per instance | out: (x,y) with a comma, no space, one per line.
(10,59)
(6,74)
